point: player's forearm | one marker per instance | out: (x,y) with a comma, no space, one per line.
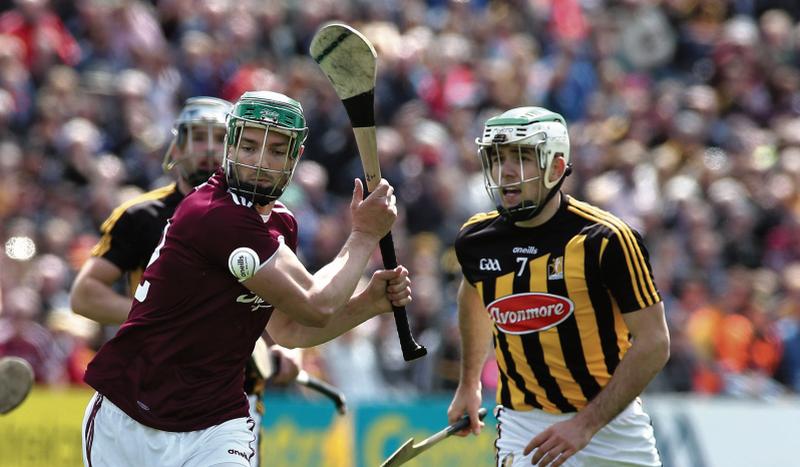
(476,335)
(637,368)
(475,338)
(356,311)
(335,283)
(97,301)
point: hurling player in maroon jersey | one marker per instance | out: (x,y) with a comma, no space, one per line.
(133,230)
(566,293)
(169,384)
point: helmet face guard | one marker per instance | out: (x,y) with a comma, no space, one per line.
(525,135)
(498,181)
(198,138)
(265,134)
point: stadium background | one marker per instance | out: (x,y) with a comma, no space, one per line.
(684,117)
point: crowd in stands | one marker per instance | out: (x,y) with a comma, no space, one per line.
(684,118)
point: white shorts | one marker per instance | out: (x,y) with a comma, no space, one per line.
(626,441)
(113,439)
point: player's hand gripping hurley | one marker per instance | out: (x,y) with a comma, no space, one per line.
(348,60)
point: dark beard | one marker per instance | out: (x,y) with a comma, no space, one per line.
(199,177)
(253,193)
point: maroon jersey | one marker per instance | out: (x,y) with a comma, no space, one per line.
(177,363)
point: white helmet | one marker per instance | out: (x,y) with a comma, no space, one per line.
(533,127)
(198,154)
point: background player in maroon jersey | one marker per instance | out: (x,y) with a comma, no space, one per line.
(560,286)
(133,230)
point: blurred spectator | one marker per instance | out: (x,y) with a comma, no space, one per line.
(689,109)
(22,336)
(789,328)
(45,39)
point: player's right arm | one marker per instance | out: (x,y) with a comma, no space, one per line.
(92,294)
(311,300)
(476,336)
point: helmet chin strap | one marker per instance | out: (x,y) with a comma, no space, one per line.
(525,210)
(261,199)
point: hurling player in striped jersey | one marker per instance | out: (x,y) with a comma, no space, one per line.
(565,292)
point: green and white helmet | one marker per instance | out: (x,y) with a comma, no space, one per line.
(197,139)
(524,127)
(253,168)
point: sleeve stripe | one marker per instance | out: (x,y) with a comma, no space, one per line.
(281,243)
(644,274)
(603,245)
(280,207)
(631,250)
(102,246)
(282,211)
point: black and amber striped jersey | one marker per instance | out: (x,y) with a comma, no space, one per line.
(133,230)
(555,294)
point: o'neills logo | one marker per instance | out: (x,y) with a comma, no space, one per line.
(529,312)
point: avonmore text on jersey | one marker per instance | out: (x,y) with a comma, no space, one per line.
(516,316)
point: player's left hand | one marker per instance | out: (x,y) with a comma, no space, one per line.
(558,443)
(389,287)
(287,364)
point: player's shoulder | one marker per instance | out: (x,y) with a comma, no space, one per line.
(480,220)
(142,207)
(476,229)
(280,209)
(599,221)
(152,197)
(217,207)
(214,198)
